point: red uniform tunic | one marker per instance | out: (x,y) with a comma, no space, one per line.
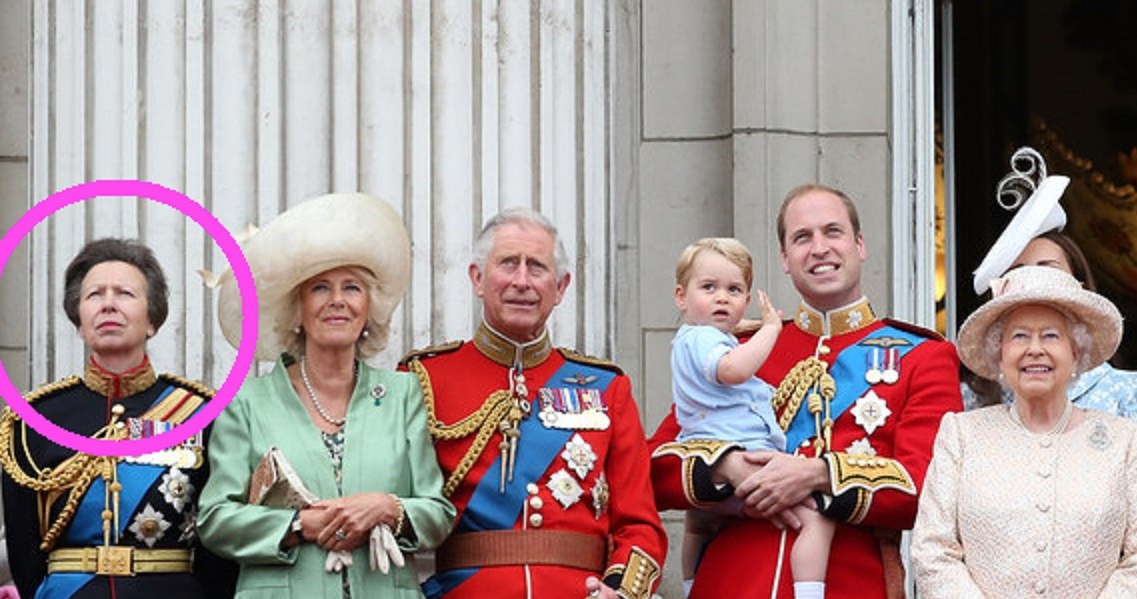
(881,443)
(595,482)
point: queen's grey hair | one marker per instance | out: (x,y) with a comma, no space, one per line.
(484,243)
(1079,332)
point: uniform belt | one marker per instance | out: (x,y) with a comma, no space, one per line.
(520,547)
(119,561)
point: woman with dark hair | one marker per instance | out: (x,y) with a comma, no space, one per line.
(88,526)
(329,273)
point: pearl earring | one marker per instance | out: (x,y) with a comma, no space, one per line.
(365,333)
(296,330)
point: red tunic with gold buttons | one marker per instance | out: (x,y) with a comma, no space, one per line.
(885,385)
(580,465)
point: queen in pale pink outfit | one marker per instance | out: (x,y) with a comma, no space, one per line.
(1037,498)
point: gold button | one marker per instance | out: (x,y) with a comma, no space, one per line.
(532,488)
(824,350)
(536,503)
(535,520)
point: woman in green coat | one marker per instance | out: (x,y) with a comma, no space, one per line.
(329,273)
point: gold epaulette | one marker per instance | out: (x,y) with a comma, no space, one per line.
(433,350)
(48,389)
(195,386)
(574,356)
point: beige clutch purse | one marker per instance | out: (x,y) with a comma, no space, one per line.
(275,484)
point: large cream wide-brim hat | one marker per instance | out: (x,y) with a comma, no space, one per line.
(1047,286)
(342,229)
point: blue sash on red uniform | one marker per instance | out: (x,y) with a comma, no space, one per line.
(848,372)
(490,509)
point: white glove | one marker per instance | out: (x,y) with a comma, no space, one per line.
(385,549)
(337,560)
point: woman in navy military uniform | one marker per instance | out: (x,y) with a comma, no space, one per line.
(88,526)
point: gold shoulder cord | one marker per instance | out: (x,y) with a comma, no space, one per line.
(72,476)
(484,422)
(807,378)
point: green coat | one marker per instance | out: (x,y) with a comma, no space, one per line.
(386,448)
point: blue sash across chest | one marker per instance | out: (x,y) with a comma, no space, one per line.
(848,372)
(489,508)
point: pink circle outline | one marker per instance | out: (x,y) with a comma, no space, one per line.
(239,266)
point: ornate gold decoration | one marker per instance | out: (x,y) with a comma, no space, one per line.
(808,377)
(70,478)
(482,423)
(639,575)
(871,473)
(707,450)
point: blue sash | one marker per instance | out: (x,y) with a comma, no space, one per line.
(488,508)
(848,372)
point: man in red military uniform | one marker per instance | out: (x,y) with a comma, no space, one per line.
(542,448)
(860,398)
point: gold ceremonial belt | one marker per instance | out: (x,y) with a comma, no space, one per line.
(120,561)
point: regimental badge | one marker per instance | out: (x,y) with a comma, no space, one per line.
(579,456)
(573,409)
(600,495)
(149,525)
(564,487)
(871,411)
(580,379)
(803,320)
(176,489)
(855,319)
(189,527)
(861,447)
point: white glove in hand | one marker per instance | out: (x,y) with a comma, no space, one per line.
(385,549)
(337,560)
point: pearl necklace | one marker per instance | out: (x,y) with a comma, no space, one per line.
(1059,426)
(316,401)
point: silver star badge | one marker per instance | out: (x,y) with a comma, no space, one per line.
(149,525)
(871,411)
(564,487)
(579,456)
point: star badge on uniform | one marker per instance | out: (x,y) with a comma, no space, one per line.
(579,456)
(861,447)
(871,412)
(149,525)
(564,487)
(176,489)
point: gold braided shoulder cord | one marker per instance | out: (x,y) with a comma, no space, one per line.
(484,421)
(792,391)
(71,477)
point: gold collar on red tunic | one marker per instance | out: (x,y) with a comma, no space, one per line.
(507,352)
(847,319)
(115,385)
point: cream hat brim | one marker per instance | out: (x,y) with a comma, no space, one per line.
(345,229)
(1047,286)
